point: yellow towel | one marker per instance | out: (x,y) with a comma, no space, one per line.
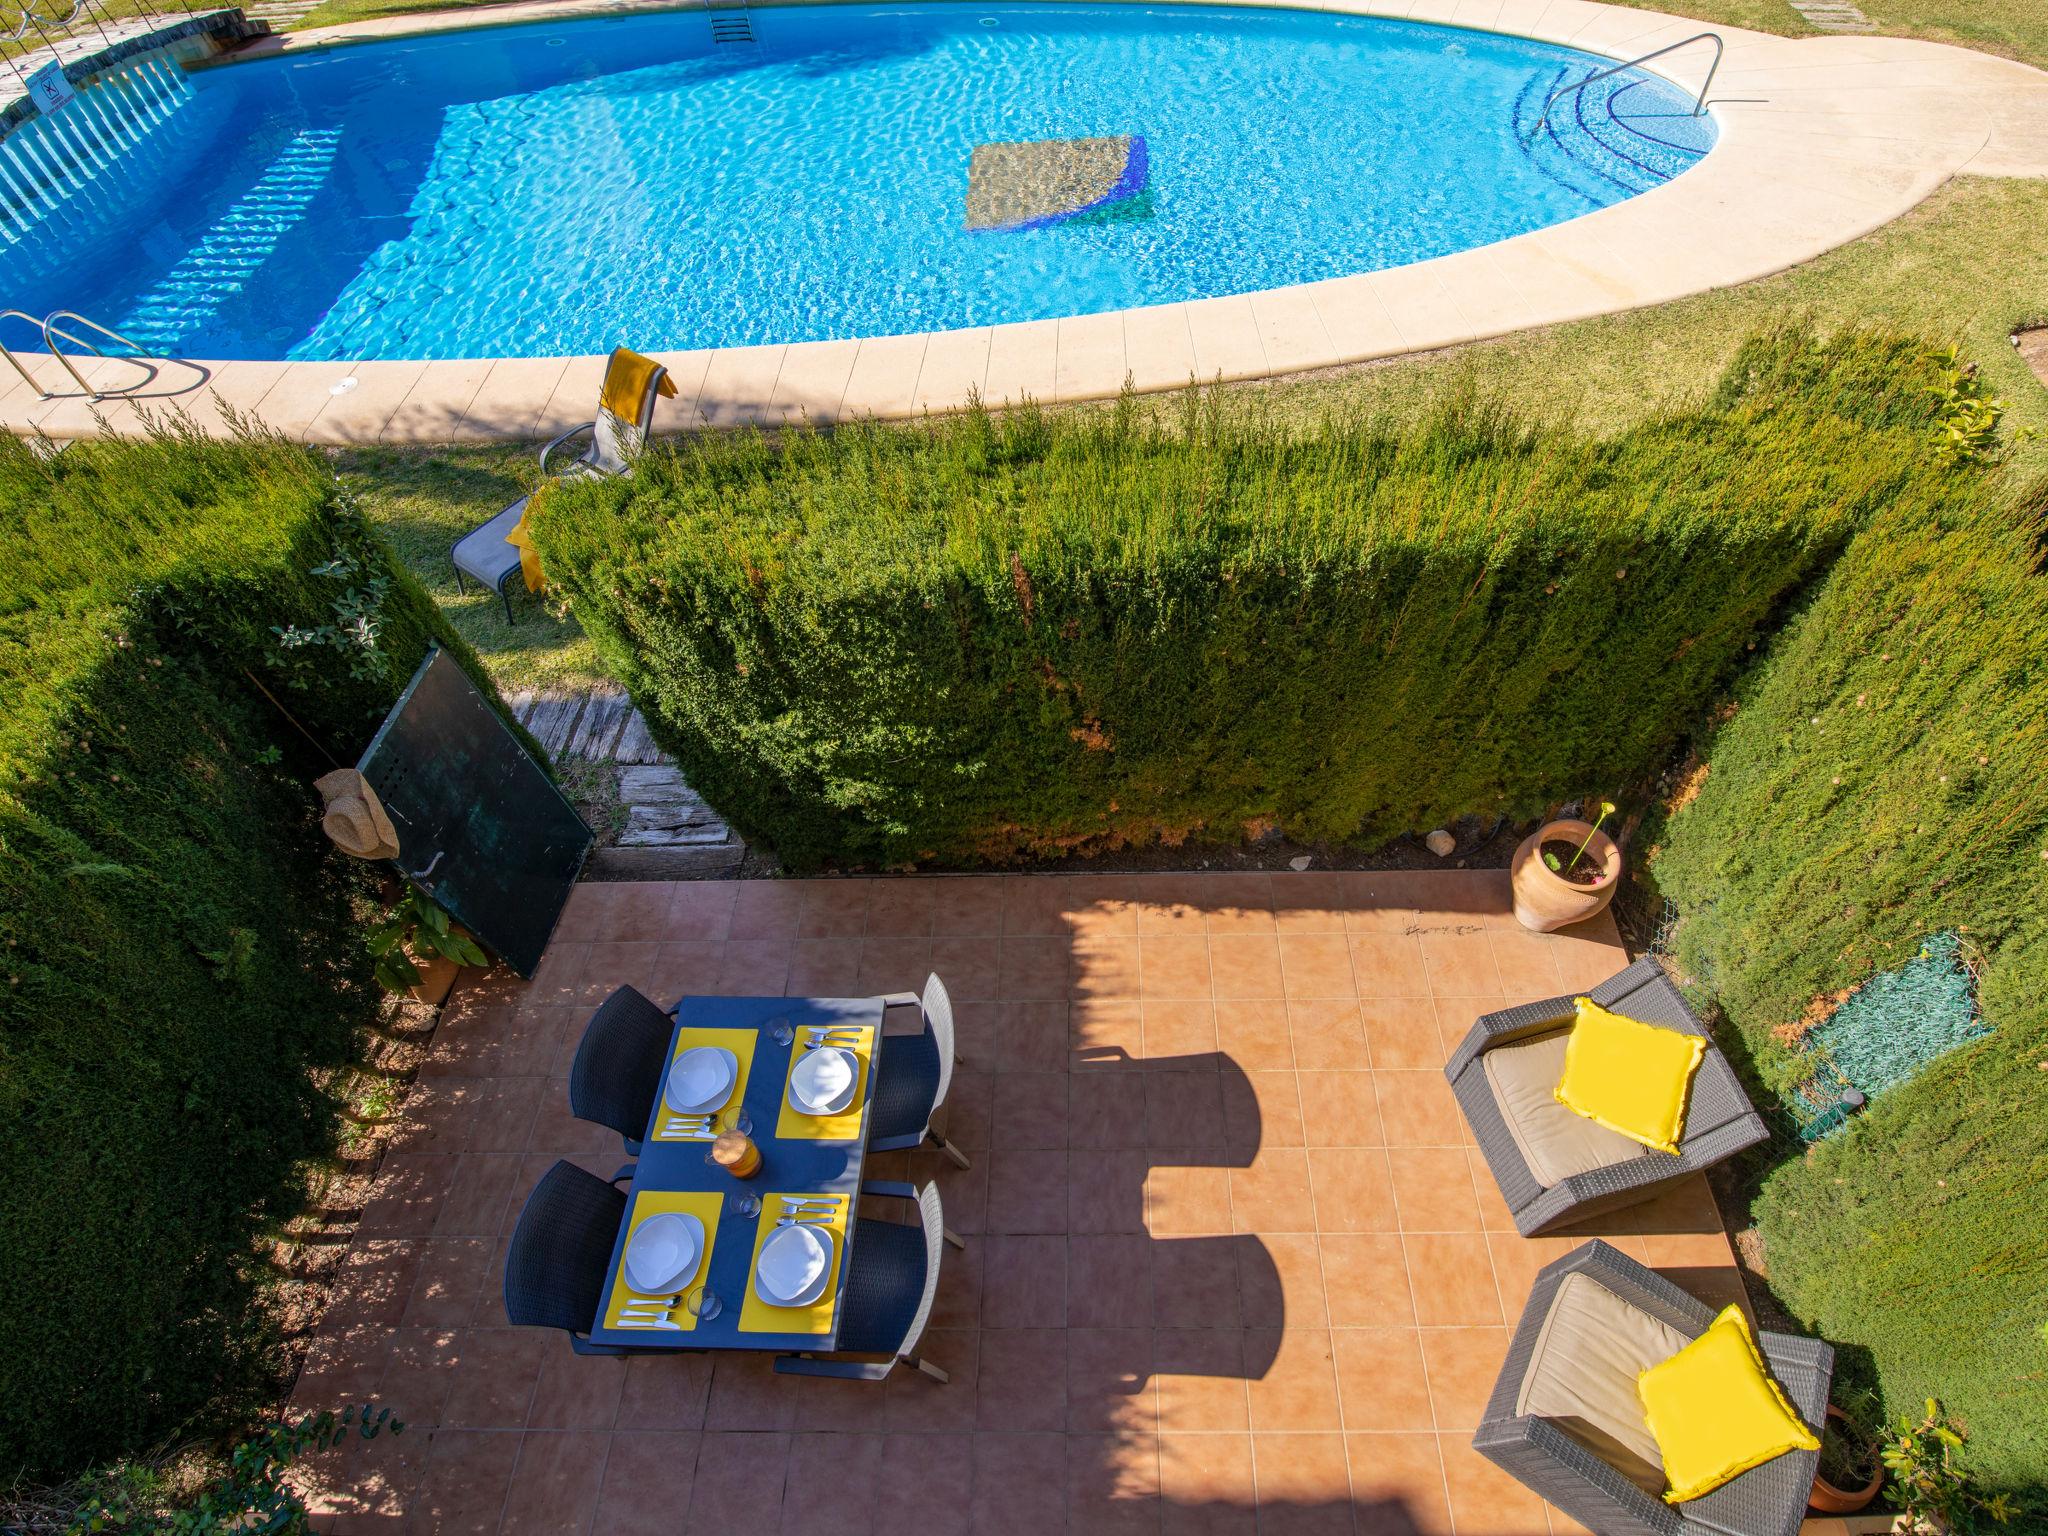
(529,557)
(625,386)
(625,383)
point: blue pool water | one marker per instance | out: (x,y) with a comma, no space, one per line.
(562,188)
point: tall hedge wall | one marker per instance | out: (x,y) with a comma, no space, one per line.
(1004,636)
(182,949)
(1885,775)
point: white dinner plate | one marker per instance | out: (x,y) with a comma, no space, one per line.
(701,1079)
(664,1252)
(824,1081)
(794,1265)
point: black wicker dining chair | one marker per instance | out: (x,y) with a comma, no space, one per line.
(916,1070)
(617,1071)
(560,1252)
(887,1292)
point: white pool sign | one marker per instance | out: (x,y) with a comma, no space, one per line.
(50,88)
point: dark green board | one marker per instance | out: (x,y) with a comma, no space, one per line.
(481,827)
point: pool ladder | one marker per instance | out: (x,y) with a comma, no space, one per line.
(1699,104)
(731,23)
(53,327)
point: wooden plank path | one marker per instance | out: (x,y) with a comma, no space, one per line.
(669,829)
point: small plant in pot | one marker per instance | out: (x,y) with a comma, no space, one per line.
(1850,1471)
(1565,872)
(419,951)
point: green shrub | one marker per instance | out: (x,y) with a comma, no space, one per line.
(183,951)
(1003,636)
(1882,778)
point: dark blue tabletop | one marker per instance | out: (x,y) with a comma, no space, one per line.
(787,1166)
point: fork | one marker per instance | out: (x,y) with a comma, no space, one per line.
(808,1212)
(690,1127)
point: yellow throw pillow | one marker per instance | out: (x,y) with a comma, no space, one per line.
(1715,1411)
(1629,1076)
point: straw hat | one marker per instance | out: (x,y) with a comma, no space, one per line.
(352,818)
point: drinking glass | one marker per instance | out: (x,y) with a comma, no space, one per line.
(703,1303)
(747,1207)
(781,1032)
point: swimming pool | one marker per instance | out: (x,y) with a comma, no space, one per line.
(559,188)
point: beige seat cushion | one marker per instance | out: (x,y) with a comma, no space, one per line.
(1554,1142)
(1582,1378)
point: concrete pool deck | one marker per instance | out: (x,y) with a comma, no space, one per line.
(1822,140)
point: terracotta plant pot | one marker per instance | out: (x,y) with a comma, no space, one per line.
(1546,902)
(437,973)
(1829,1499)
(437,978)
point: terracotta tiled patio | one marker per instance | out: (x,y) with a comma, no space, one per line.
(1233,1265)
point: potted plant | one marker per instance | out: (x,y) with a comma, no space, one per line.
(1850,1470)
(1565,872)
(419,951)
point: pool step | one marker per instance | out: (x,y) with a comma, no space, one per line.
(1609,136)
(241,240)
(46,160)
(731,24)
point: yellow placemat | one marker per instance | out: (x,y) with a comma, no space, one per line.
(740,1042)
(759,1316)
(794,1125)
(654,1202)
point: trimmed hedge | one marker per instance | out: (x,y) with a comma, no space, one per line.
(1882,778)
(183,950)
(994,637)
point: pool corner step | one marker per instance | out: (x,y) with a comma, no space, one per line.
(732,25)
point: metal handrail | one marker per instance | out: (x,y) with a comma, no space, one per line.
(8,352)
(1699,105)
(51,330)
(29,18)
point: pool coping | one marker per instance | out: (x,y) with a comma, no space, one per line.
(1822,140)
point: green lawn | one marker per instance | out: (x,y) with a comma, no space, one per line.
(1966,266)
(2016,28)
(423,500)
(336,12)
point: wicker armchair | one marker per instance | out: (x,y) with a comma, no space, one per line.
(1558,1460)
(1599,1171)
(618,1068)
(890,1288)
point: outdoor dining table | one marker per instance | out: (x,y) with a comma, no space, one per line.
(805,1156)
